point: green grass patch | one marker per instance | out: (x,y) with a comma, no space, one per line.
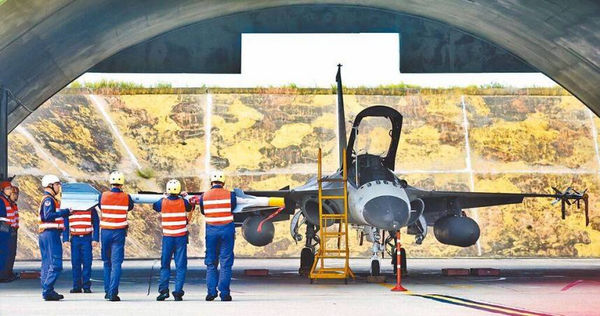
(146,173)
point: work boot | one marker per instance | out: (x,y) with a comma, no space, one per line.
(178,295)
(210,297)
(114,298)
(226,298)
(53,296)
(87,291)
(75,291)
(106,296)
(163,296)
(11,277)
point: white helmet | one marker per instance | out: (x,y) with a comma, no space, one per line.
(117,177)
(217,176)
(173,186)
(49,179)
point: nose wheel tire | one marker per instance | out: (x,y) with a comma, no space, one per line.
(375,270)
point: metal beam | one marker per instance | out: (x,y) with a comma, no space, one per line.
(3,133)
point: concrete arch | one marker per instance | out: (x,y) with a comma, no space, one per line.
(45,45)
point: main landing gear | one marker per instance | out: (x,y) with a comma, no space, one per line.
(307,255)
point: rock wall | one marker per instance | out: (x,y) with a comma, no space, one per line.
(265,141)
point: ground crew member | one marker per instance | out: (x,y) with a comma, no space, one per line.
(14,224)
(217,205)
(175,215)
(5,229)
(84,230)
(114,205)
(50,228)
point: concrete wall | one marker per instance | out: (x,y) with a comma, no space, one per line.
(214,46)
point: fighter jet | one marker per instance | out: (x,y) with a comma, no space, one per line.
(381,201)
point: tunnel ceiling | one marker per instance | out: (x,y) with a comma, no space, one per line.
(44,45)
(214,45)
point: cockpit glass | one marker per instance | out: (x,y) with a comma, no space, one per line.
(373,136)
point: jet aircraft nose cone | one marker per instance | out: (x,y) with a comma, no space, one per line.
(386,212)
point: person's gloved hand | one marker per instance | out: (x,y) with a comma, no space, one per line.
(194,200)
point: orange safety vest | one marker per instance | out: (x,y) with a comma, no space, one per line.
(14,216)
(58,223)
(9,211)
(173,217)
(80,223)
(114,207)
(217,206)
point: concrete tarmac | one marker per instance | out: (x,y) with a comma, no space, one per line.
(525,287)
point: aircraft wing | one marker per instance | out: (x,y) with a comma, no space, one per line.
(475,199)
(441,200)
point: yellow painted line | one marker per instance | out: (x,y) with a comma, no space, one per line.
(481,305)
(468,303)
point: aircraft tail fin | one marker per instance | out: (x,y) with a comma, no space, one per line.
(341,119)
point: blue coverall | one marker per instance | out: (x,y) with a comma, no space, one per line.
(173,246)
(113,253)
(50,246)
(12,250)
(220,240)
(81,252)
(5,240)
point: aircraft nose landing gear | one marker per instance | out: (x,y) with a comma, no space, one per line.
(373,235)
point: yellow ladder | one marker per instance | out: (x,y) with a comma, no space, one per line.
(319,270)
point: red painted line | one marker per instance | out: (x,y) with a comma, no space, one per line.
(575,283)
(570,285)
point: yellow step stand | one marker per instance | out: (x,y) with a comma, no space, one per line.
(319,269)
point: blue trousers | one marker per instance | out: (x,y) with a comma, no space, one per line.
(4,252)
(12,254)
(81,255)
(173,246)
(51,249)
(219,250)
(113,253)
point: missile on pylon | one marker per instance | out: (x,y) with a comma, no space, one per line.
(82,196)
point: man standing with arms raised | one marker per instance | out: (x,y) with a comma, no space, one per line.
(82,231)
(175,214)
(114,205)
(217,205)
